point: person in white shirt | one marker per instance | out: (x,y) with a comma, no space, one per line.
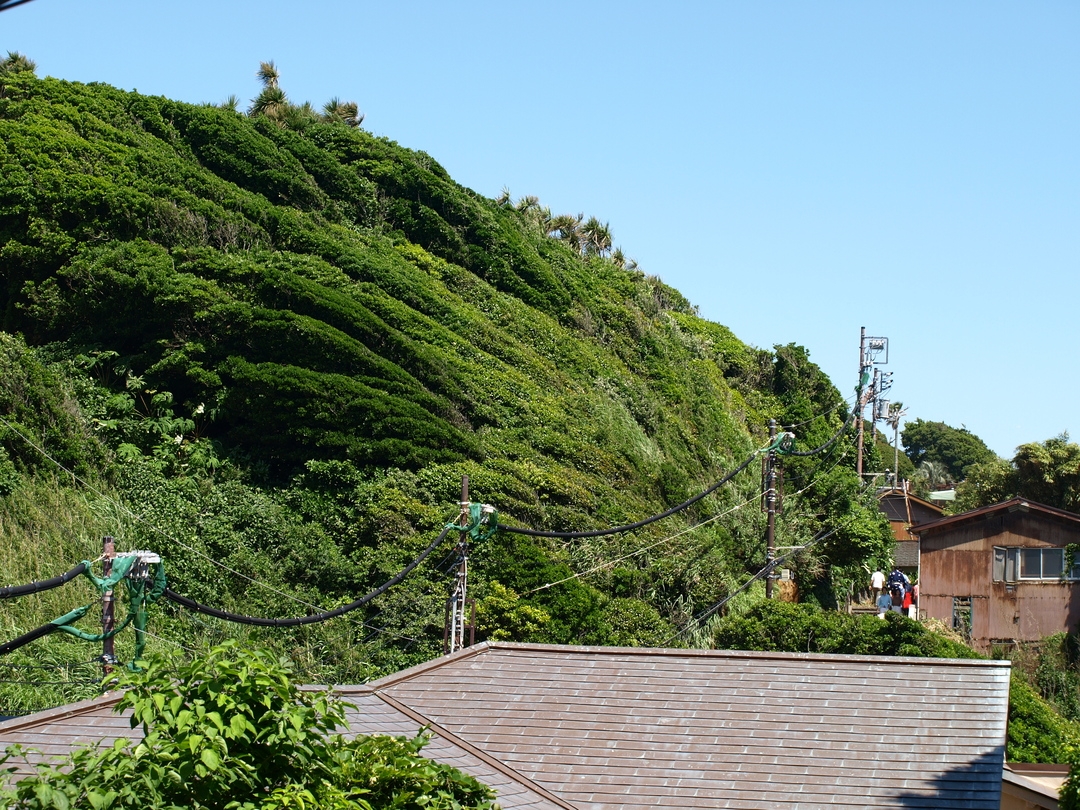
(877,582)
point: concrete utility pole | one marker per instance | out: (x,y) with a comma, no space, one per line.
(770,510)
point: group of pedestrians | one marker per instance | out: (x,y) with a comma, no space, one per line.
(896,593)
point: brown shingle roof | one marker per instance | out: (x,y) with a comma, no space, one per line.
(599,727)
(606,727)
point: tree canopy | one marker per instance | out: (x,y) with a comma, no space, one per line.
(957,449)
(1047,472)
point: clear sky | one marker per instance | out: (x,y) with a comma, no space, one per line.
(798,170)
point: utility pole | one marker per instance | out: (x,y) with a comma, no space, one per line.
(859,404)
(770,510)
(458,603)
(108,618)
(869,349)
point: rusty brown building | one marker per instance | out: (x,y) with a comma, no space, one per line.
(903,511)
(1000,573)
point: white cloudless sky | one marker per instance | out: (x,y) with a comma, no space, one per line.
(797,170)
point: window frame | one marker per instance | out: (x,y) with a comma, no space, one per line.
(1009,563)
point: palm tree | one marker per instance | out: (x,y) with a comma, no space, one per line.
(347,112)
(503,200)
(596,237)
(271,103)
(268,74)
(567,227)
(231,103)
(16,62)
(934,473)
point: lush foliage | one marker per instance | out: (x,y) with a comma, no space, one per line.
(269,346)
(231,731)
(1047,472)
(955,449)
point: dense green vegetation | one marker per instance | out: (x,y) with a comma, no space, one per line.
(232,731)
(1047,472)
(269,346)
(944,453)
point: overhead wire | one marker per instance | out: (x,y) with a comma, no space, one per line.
(641,523)
(675,536)
(326,615)
(260,621)
(140,519)
(642,550)
(823,414)
(768,569)
(11,591)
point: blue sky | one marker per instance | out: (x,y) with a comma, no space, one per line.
(798,170)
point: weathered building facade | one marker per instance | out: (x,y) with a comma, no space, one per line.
(1004,573)
(903,511)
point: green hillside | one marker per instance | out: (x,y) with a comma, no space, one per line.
(269,348)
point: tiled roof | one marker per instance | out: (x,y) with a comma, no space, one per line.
(579,727)
(53,733)
(605,727)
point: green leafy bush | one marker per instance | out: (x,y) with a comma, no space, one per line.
(231,731)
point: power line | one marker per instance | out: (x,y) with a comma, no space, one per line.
(138,518)
(12,591)
(259,621)
(641,523)
(642,550)
(153,528)
(768,569)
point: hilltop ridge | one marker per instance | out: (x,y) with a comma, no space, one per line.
(281,344)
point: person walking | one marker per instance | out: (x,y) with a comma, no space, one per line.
(877,582)
(884,604)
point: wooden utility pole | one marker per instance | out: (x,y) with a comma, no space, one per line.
(108,618)
(770,510)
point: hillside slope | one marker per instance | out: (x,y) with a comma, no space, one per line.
(270,353)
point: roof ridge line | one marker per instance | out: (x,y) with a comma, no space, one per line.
(675,652)
(479,753)
(434,663)
(62,712)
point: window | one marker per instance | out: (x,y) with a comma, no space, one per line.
(1012,564)
(961,615)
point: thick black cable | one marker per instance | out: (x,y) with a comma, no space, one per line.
(836,436)
(314,618)
(23,640)
(12,591)
(632,526)
(6,4)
